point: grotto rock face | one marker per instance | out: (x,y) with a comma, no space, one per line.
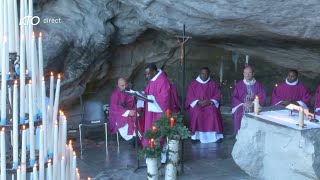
(98,41)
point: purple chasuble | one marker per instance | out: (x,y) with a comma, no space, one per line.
(238,97)
(285,91)
(207,118)
(119,104)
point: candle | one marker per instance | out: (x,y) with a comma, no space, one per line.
(168,113)
(15,126)
(63,169)
(301,117)
(70,170)
(23,153)
(3,154)
(35,172)
(1,21)
(10,17)
(44,118)
(51,120)
(63,134)
(256,105)
(55,151)
(171,122)
(31,127)
(49,170)
(152,143)
(78,174)
(19,173)
(34,77)
(22,80)
(41,153)
(4,62)
(40,55)
(16,26)
(74,166)
(55,107)
(154,129)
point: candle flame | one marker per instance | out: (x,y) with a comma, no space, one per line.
(26,71)
(276,85)
(77,170)
(33,35)
(51,73)
(74,153)
(56,122)
(62,158)
(257,97)
(60,112)
(59,76)
(49,161)
(15,82)
(89,178)
(19,168)
(23,127)
(70,143)
(30,82)
(42,78)
(3,129)
(152,140)
(40,34)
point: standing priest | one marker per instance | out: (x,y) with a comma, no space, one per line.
(202,102)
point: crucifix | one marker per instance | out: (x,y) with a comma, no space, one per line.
(182,39)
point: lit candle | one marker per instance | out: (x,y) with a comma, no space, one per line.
(23,153)
(34,76)
(64,134)
(44,118)
(41,153)
(63,169)
(154,129)
(19,173)
(35,172)
(70,159)
(31,127)
(256,105)
(55,151)
(40,55)
(171,122)
(22,79)
(49,170)
(3,154)
(4,82)
(15,126)
(74,166)
(168,113)
(301,117)
(51,120)
(152,143)
(78,174)
(55,109)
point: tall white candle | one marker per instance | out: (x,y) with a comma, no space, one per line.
(3,155)
(56,99)
(70,170)
(35,172)
(51,121)
(74,167)
(44,117)
(22,80)
(49,170)
(4,60)
(40,55)
(30,32)
(23,153)
(55,151)
(11,26)
(63,169)
(34,76)
(1,22)
(19,173)
(31,126)
(15,126)
(41,153)
(78,174)
(64,134)
(16,27)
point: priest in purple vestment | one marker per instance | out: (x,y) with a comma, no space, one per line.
(291,92)
(158,90)
(202,102)
(243,96)
(317,102)
(121,113)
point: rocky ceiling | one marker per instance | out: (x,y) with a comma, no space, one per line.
(285,33)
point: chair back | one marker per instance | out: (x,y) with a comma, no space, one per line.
(93,112)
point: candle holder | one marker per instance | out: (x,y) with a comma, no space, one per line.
(13,60)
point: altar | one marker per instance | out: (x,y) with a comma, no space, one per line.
(272,146)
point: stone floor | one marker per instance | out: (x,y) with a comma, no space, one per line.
(201,161)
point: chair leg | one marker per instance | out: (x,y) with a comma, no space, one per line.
(118,138)
(106,132)
(80,138)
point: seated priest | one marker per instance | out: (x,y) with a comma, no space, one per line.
(317,102)
(121,112)
(202,102)
(292,91)
(243,96)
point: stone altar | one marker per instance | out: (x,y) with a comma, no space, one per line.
(271,146)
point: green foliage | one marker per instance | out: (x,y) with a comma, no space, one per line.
(163,131)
